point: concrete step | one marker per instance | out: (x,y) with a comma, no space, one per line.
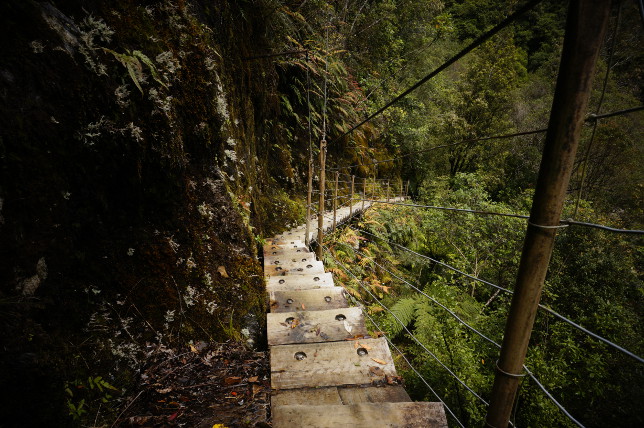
(300,282)
(315,326)
(283,259)
(311,300)
(362,415)
(340,395)
(298,268)
(312,365)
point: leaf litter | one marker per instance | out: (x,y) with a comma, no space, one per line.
(201,386)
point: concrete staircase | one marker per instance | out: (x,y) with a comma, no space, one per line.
(325,369)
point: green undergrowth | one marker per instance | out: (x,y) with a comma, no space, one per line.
(368,260)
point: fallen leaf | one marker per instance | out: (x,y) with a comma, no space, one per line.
(173,416)
(367,347)
(303,307)
(252,379)
(356,337)
(193,349)
(222,271)
(256,389)
(232,380)
(164,390)
(379,361)
(376,371)
(294,323)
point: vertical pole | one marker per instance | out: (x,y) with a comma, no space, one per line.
(401,189)
(585,28)
(335,198)
(364,191)
(373,193)
(407,189)
(353,182)
(387,190)
(307,236)
(309,197)
(321,201)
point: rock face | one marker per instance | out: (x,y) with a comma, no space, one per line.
(134,166)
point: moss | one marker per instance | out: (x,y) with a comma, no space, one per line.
(89,172)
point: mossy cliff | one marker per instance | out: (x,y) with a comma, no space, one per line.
(138,170)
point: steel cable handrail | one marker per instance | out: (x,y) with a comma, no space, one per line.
(412,286)
(548,310)
(591,118)
(568,222)
(413,368)
(406,329)
(479,41)
(530,374)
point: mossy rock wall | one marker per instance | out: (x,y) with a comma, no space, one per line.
(137,174)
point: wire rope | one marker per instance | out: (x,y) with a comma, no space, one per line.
(590,118)
(567,222)
(541,306)
(406,329)
(479,41)
(550,396)
(413,369)
(584,170)
(418,290)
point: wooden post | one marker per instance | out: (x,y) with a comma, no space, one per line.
(401,189)
(407,190)
(364,191)
(321,201)
(353,181)
(387,190)
(307,238)
(335,198)
(373,193)
(585,29)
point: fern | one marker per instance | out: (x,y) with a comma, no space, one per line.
(404,310)
(132,62)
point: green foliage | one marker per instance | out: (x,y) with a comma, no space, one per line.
(132,62)
(593,280)
(88,396)
(403,313)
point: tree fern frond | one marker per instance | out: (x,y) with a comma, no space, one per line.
(404,310)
